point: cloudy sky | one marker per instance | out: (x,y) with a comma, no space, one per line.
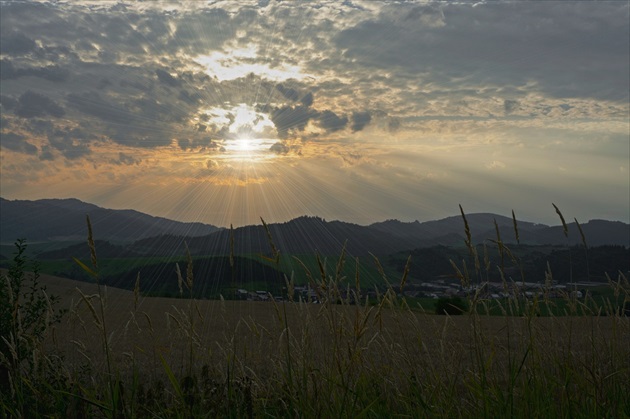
(225,111)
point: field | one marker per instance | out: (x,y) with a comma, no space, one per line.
(161,357)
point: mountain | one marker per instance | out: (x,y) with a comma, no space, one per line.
(64,219)
(450,231)
(303,235)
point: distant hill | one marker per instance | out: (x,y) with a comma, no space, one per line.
(303,235)
(307,235)
(450,231)
(142,234)
(64,219)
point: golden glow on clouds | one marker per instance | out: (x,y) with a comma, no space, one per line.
(241,61)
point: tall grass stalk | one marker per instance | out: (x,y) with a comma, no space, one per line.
(114,385)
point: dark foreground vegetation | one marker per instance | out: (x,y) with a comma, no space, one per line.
(115,353)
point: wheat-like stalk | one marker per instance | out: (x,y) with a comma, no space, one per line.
(565,229)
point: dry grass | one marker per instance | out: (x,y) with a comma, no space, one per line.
(460,365)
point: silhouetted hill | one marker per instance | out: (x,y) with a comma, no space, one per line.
(450,231)
(303,235)
(64,219)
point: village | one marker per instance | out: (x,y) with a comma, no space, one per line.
(441,288)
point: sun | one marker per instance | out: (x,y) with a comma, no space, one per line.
(246,144)
(247,134)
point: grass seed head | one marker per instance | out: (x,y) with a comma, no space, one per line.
(565,229)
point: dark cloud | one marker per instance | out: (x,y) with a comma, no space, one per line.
(428,15)
(360,120)
(187,35)
(287,92)
(4,122)
(510,105)
(295,118)
(32,104)
(289,118)
(46,154)
(136,85)
(17,142)
(166,78)
(393,124)
(279,148)
(569,49)
(143,122)
(7,71)
(190,98)
(40,126)
(196,143)
(307,99)
(52,73)
(331,122)
(71,143)
(126,160)
(56,53)
(16,44)
(91,103)
(8,102)
(105,82)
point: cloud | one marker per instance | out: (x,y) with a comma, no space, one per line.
(52,73)
(71,143)
(307,99)
(127,159)
(562,49)
(279,148)
(7,71)
(8,103)
(16,44)
(212,165)
(510,106)
(495,164)
(202,143)
(288,118)
(46,154)
(166,78)
(360,120)
(331,122)
(31,104)
(17,142)
(91,103)
(289,93)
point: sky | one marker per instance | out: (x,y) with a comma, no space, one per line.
(224,112)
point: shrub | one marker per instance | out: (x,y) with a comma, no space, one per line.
(26,312)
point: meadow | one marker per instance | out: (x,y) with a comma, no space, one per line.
(87,350)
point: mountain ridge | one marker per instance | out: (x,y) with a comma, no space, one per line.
(64,219)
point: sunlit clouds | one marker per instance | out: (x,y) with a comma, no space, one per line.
(226,111)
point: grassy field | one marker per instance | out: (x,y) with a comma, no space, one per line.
(188,358)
